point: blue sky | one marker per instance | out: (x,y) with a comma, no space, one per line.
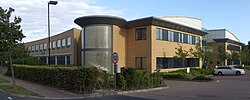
(233,15)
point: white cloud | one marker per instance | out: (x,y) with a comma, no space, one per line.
(62,15)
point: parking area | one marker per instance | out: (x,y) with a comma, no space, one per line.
(222,88)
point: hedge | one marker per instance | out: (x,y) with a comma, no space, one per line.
(86,79)
(82,80)
(131,78)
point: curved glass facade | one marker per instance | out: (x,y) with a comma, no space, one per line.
(97,46)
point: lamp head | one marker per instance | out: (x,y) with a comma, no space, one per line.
(52,2)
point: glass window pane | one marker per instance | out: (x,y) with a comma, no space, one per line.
(69,41)
(45,46)
(58,43)
(98,37)
(36,47)
(158,34)
(60,60)
(54,45)
(99,59)
(41,47)
(63,42)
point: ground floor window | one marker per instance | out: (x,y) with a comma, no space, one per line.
(233,62)
(140,62)
(162,62)
(68,60)
(52,60)
(60,60)
(55,60)
(43,60)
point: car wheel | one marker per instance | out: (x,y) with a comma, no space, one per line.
(219,73)
(238,73)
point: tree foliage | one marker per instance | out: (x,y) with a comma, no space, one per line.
(181,54)
(222,54)
(244,56)
(10,34)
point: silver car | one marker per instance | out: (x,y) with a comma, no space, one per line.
(229,70)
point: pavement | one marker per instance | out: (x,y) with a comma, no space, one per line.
(45,91)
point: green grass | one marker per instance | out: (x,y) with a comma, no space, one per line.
(17,90)
(3,81)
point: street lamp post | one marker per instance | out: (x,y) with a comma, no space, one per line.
(49,3)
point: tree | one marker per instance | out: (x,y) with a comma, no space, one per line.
(234,56)
(208,56)
(223,55)
(10,34)
(245,56)
(205,54)
(181,55)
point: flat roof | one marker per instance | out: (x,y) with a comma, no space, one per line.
(113,20)
(229,40)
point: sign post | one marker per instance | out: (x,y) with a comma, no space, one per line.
(115,59)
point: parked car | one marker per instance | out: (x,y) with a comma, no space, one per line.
(228,70)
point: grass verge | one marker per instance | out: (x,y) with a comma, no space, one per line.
(17,90)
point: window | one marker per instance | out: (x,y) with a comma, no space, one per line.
(175,63)
(197,40)
(50,45)
(60,60)
(176,36)
(189,39)
(193,39)
(233,47)
(32,48)
(140,62)
(44,46)
(185,38)
(161,34)
(68,60)
(36,47)
(58,44)
(68,41)
(63,42)
(41,47)
(140,34)
(53,45)
(52,60)
(170,36)
(158,34)
(29,48)
(181,38)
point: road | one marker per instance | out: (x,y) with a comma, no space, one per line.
(222,88)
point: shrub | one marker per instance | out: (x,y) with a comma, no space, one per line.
(86,79)
(27,61)
(82,80)
(195,74)
(133,78)
(202,78)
